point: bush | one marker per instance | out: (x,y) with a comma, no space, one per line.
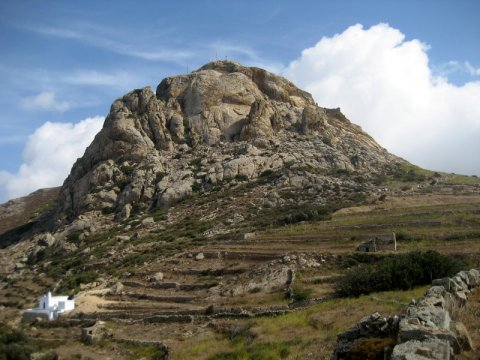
(196,187)
(261,351)
(267,173)
(159,176)
(138,208)
(410,173)
(307,213)
(72,282)
(196,163)
(407,237)
(108,210)
(15,345)
(300,294)
(400,272)
(127,169)
(241,177)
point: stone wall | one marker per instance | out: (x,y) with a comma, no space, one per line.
(424,331)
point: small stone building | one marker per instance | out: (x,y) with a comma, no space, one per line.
(379,243)
(95,333)
(50,306)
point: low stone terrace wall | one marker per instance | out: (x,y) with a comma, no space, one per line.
(425,331)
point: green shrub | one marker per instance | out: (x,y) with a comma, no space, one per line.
(72,282)
(267,173)
(409,173)
(402,272)
(196,187)
(138,208)
(196,163)
(159,176)
(327,141)
(289,164)
(147,352)
(300,294)
(241,177)
(108,210)
(262,351)
(15,345)
(127,169)
(340,172)
(74,237)
(307,213)
(407,237)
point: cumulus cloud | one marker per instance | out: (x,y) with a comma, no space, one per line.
(46,100)
(48,156)
(385,84)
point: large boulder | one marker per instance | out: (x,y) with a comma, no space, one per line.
(432,349)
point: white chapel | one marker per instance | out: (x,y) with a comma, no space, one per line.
(51,306)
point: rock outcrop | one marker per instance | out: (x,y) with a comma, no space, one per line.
(217,123)
(426,331)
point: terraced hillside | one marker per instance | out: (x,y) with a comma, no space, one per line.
(239,293)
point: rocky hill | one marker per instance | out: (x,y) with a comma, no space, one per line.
(204,130)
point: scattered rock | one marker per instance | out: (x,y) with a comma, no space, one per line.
(148,221)
(157,276)
(116,289)
(45,239)
(200,256)
(122,238)
(125,212)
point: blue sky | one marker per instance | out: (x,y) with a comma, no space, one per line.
(66,61)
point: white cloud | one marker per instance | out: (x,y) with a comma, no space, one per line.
(97,78)
(134,45)
(455,66)
(46,100)
(48,156)
(385,84)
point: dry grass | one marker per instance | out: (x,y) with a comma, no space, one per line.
(470,316)
(311,332)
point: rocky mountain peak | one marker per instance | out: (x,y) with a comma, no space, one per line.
(143,152)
